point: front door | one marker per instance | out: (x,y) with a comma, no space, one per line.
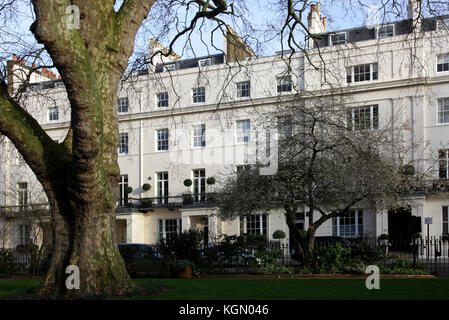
(399,235)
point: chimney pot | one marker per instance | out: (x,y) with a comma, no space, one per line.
(59,77)
(23,61)
(312,7)
(14,57)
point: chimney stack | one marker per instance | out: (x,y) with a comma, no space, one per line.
(316,24)
(414,14)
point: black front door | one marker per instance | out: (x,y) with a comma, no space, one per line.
(400,236)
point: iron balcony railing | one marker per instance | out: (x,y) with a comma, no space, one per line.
(27,210)
(168,202)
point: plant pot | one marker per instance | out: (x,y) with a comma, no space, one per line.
(186,274)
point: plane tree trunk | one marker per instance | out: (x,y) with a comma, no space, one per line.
(80,175)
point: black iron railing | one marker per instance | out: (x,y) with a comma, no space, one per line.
(27,210)
(170,202)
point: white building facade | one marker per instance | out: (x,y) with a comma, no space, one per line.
(196,119)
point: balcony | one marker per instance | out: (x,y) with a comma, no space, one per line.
(200,200)
(37,210)
(429,187)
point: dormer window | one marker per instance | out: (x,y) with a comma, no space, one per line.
(205,62)
(170,67)
(385,31)
(338,39)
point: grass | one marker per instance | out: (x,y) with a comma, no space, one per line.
(279,289)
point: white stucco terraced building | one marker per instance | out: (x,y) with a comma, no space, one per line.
(196,118)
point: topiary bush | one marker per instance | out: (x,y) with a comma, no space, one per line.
(278,234)
(187,182)
(128,189)
(210,180)
(146,186)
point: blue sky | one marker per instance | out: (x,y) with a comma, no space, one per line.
(342,14)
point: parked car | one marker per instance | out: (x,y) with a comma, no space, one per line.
(238,257)
(137,250)
(331,240)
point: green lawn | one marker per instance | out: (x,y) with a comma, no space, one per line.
(283,289)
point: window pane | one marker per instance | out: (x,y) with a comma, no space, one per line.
(122,104)
(243,131)
(162,139)
(199,135)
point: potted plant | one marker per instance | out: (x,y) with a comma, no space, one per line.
(187,199)
(147,202)
(146,186)
(445,237)
(210,180)
(184,268)
(383,237)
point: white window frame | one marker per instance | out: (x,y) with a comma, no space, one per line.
(162,227)
(386,35)
(162,187)
(260,217)
(240,135)
(443,103)
(372,123)
(445,160)
(284,83)
(338,34)
(372,66)
(199,93)
(25,234)
(199,183)
(52,113)
(357,232)
(121,105)
(160,101)
(241,89)
(123,196)
(444,63)
(204,62)
(199,141)
(123,144)
(160,141)
(444,220)
(22,194)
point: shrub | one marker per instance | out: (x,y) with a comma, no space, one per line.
(185,245)
(146,186)
(278,234)
(332,259)
(210,180)
(365,252)
(402,266)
